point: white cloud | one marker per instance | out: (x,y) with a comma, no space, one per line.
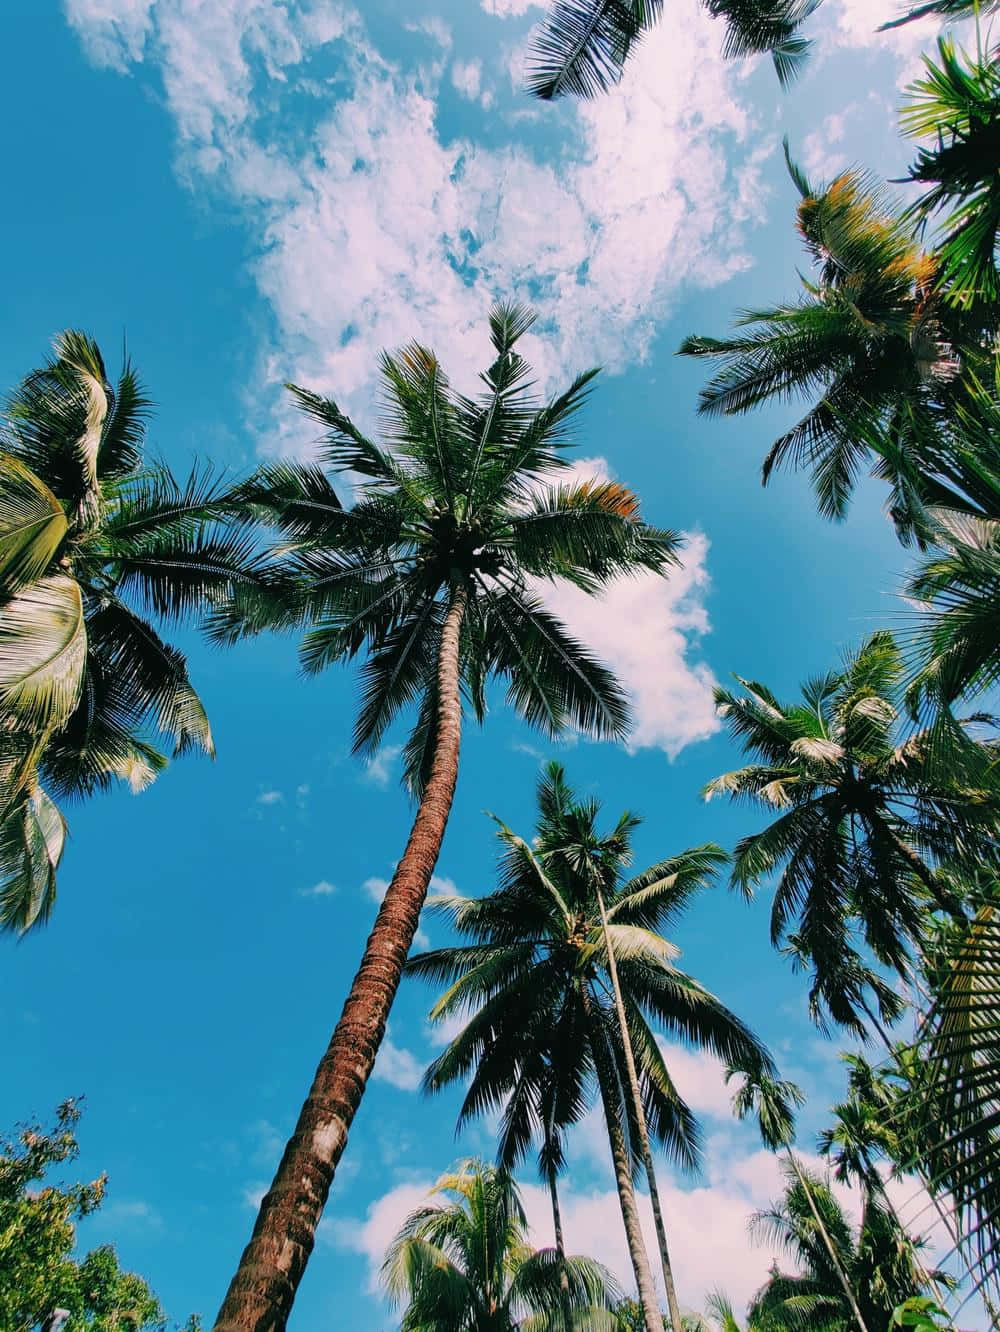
(700,1078)
(378,769)
(321,889)
(397,1066)
(372,230)
(253,1195)
(467,77)
(114,31)
(270,798)
(645,628)
(822,161)
(511,8)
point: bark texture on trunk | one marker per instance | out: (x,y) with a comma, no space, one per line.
(831,1250)
(622,1163)
(262,1292)
(640,1118)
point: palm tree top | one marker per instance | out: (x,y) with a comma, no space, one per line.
(463,1263)
(465,498)
(96,543)
(537,943)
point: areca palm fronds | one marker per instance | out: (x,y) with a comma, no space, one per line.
(436,576)
(870,340)
(94,545)
(956,108)
(583,45)
(864,818)
(536,985)
(879,1258)
(465,1265)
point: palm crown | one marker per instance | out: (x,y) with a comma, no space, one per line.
(880,1261)
(863,817)
(91,541)
(461,502)
(871,334)
(533,979)
(466,1265)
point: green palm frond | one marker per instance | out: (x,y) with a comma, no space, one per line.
(956,106)
(32,837)
(583,45)
(32,525)
(43,651)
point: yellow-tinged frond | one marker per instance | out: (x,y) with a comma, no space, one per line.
(43,650)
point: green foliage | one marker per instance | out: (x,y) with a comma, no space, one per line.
(92,541)
(955,109)
(864,816)
(879,1260)
(463,497)
(532,981)
(920,1313)
(38,1275)
(465,1265)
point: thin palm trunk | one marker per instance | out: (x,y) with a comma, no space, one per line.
(830,1247)
(263,1290)
(623,1177)
(640,1117)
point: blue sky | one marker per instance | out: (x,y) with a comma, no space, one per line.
(249,192)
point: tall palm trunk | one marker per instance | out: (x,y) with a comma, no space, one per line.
(262,1292)
(827,1240)
(640,1119)
(622,1163)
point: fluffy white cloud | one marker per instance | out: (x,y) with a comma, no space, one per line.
(378,769)
(397,1066)
(321,889)
(467,77)
(647,628)
(373,230)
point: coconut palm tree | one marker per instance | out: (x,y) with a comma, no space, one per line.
(870,335)
(583,45)
(543,1022)
(864,818)
(955,109)
(879,1260)
(466,1265)
(436,572)
(773,1105)
(95,544)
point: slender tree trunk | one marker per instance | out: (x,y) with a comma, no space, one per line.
(831,1250)
(262,1292)
(622,1162)
(640,1118)
(567,1312)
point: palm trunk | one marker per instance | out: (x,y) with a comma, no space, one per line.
(263,1290)
(640,1118)
(567,1312)
(831,1250)
(621,1160)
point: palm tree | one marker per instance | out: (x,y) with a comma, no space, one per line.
(466,1265)
(956,108)
(543,1019)
(583,45)
(773,1103)
(871,335)
(864,818)
(879,1260)
(92,540)
(435,570)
